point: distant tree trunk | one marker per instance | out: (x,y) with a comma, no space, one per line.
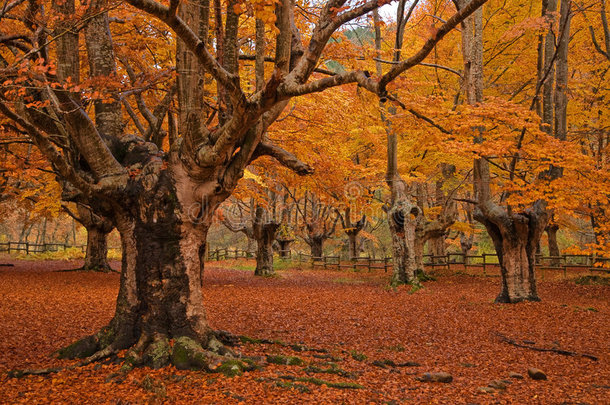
(316,247)
(402,217)
(352,229)
(554,252)
(264,234)
(438,246)
(96,257)
(466,242)
(98,227)
(419,255)
(352,246)
(284,247)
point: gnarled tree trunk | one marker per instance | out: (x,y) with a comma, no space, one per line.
(316,246)
(514,234)
(98,227)
(160,295)
(264,234)
(402,218)
(515,237)
(96,256)
(284,245)
(554,252)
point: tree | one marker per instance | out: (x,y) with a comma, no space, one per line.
(98,227)
(163,203)
(319,221)
(515,234)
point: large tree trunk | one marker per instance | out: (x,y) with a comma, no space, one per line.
(352,245)
(514,234)
(515,237)
(160,295)
(98,227)
(466,242)
(264,255)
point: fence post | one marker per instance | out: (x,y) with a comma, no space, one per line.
(484,272)
(324,259)
(369,264)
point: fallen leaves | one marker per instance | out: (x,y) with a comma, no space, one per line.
(351,338)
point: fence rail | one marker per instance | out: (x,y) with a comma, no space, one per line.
(484,261)
(30,248)
(450,261)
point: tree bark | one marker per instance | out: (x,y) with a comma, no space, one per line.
(284,247)
(96,256)
(160,295)
(554,252)
(316,246)
(264,233)
(438,246)
(403,218)
(515,237)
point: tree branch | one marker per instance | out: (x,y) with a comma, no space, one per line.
(283,157)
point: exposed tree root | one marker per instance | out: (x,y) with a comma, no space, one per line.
(155,351)
(544,349)
(107,269)
(102,354)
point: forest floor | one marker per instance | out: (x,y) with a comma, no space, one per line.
(346,327)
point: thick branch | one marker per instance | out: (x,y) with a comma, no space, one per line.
(284,157)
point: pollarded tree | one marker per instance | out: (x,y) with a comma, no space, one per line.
(163,203)
(320,221)
(514,232)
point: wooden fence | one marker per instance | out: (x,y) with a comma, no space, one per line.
(28,248)
(450,261)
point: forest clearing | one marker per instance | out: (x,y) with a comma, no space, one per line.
(304,201)
(339,324)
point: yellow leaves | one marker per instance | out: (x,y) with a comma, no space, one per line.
(248,175)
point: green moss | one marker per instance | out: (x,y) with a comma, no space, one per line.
(300,387)
(158,354)
(285,360)
(105,337)
(80,349)
(357,356)
(415,288)
(333,369)
(423,276)
(231,368)
(247,339)
(187,353)
(593,280)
